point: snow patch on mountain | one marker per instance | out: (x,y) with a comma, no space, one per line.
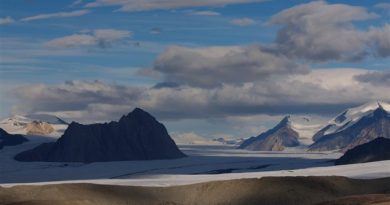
(351,116)
(47,125)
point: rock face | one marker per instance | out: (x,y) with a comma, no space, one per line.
(372,124)
(10,140)
(137,136)
(275,139)
(39,128)
(376,150)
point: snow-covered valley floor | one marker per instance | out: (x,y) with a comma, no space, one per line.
(204,163)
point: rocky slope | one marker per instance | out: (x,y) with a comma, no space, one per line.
(39,128)
(376,150)
(354,127)
(275,139)
(9,139)
(137,136)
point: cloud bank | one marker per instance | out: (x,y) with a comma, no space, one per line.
(315,92)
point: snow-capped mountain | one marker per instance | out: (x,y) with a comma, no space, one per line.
(41,124)
(291,131)
(275,139)
(349,117)
(353,127)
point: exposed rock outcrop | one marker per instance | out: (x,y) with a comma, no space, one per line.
(39,128)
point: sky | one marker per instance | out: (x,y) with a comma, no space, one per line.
(209,68)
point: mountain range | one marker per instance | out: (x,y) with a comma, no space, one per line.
(347,130)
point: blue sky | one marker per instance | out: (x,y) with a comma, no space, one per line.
(32,52)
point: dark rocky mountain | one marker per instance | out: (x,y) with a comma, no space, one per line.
(7,139)
(371,125)
(376,150)
(275,139)
(137,136)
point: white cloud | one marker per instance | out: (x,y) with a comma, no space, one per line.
(72,41)
(75,3)
(99,37)
(205,13)
(214,66)
(57,15)
(6,20)
(147,5)
(318,31)
(379,39)
(243,21)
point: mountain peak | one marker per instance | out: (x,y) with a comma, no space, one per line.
(286,121)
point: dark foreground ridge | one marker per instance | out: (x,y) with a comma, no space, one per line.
(268,190)
(9,139)
(376,150)
(137,136)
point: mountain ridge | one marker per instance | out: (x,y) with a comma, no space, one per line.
(136,136)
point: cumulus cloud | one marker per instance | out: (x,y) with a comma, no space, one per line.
(243,21)
(147,5)
(380,40)
(100,37)
(57,15)
(318,31)
(375,78)
(315,92)
(6,20)
(214,66)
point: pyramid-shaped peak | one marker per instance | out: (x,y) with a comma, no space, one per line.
(286,121)
(138,114)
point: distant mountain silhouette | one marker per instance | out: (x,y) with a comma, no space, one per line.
(9,139)
(137,136)
(275,139)
(376,150)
